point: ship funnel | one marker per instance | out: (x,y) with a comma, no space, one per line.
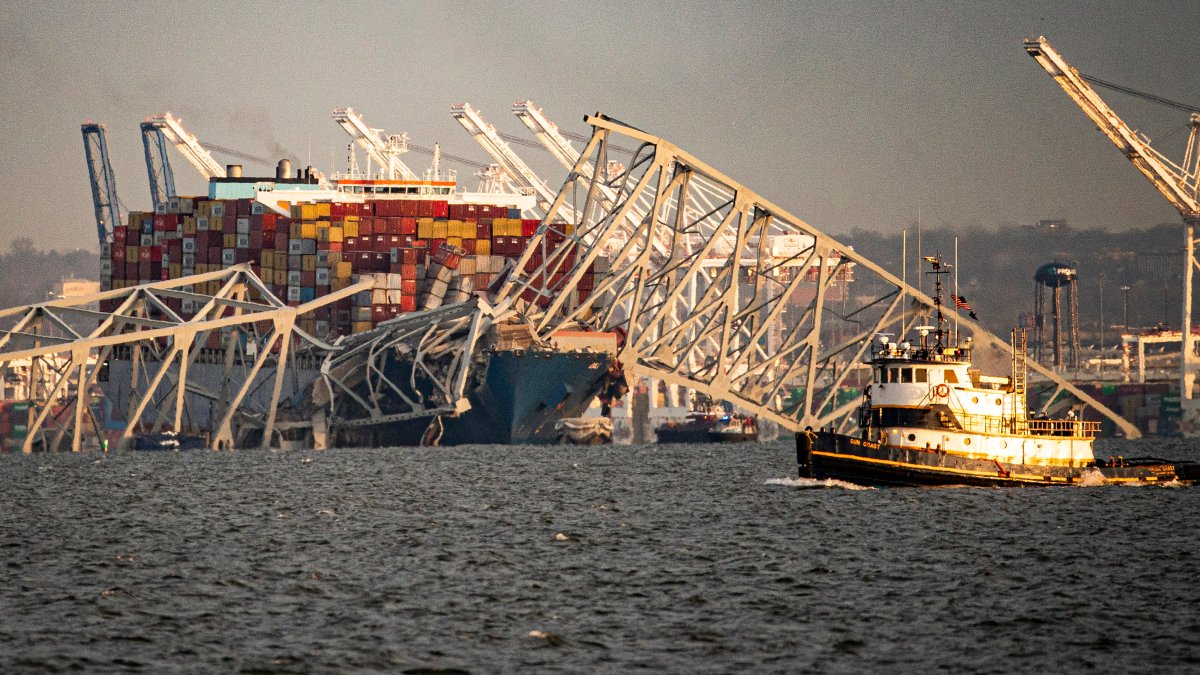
(283,170)
(233,170)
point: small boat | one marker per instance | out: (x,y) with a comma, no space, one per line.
(930,418)
(694,428)
(734,428)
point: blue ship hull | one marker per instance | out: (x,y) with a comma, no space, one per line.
(518,400)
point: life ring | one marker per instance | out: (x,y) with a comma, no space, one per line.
(941,391)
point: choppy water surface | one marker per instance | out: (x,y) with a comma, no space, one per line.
(489,559)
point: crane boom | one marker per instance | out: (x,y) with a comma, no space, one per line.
(158,164)
(487,137)
(1176,183)
(188,145)
(384,150)
(103,181)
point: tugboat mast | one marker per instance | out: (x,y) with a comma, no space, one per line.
(939,269)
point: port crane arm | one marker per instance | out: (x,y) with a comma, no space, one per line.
(103,181)
(158,164)
(1177,183)
(384,150)
(487,137)
(188,145)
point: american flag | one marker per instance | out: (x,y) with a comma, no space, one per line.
(961,303)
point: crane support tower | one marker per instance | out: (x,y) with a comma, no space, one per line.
(1178,183)
(158,164)
(384,150)
(104,183)
(188,145)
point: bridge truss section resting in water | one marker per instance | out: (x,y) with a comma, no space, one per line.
(716,288)
(69,345)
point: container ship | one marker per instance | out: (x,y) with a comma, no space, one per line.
(423,245)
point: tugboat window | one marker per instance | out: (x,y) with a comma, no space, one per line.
(951,377)
(922,375)
(906,375)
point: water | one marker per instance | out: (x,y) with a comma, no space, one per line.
(485,559)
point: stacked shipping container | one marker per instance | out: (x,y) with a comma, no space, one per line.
(419,253)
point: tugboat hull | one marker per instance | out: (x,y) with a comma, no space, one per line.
(828,455)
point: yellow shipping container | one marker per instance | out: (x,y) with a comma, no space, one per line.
(350,219)
(308,263)
(131,254)
(308,230)
(230,240)
(175,270)
(281,277)
(350,229)
(483,247)
(343,270)
(335,257)
(454,241)
(189,225)
(361,326)
(424,228)
(440,231)
(267,260)
(294,231)
(323,209)
(322,234)
(337,284)
(310,212)
(336,235)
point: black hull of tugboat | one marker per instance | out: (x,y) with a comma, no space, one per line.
(825,455)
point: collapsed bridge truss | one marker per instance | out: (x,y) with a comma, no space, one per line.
(741,300)
(70,346)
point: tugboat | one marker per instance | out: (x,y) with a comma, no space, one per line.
(929,418)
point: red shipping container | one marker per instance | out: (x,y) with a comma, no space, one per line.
(131,270)
(393,311)
(214,254)
(408,207)
(379,313)
(242,255)
(394,267)
(166,222)
(336,246)
(336,210)
(308,279)
(408,286)
(270,221)
(408,256)
(408,303)
(147,272)
(366,226)
(424,209)
(382,243)
(119,234)
(381,262)
(440,209)
(256,240)
(408,226)
(350,244)
(118,256)
(483,231)
(281,239)
(469,246)
(243,207)
(456,212)
(144,254)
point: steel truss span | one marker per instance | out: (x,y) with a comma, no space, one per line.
(67,344)
(717,289)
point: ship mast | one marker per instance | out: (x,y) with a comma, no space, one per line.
(939,269)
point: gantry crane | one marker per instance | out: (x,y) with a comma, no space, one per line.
(103,181)
(186,143)
(489,139)
(158,164)
(385,150)
(1177,182)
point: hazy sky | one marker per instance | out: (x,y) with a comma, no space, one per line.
(850,114)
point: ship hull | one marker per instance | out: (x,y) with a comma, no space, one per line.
(520,399)
(826,455)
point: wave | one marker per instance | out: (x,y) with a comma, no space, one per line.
(816,483)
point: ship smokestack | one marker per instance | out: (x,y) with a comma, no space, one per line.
(233,170)
(283,170)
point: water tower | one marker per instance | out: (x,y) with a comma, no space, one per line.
(1058,280)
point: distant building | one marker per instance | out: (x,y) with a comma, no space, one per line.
(73,288)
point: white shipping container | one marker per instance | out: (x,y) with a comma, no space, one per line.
(243,225)
(218,209)
(202,223)
(293,294)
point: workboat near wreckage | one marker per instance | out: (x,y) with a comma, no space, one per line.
(929,418)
